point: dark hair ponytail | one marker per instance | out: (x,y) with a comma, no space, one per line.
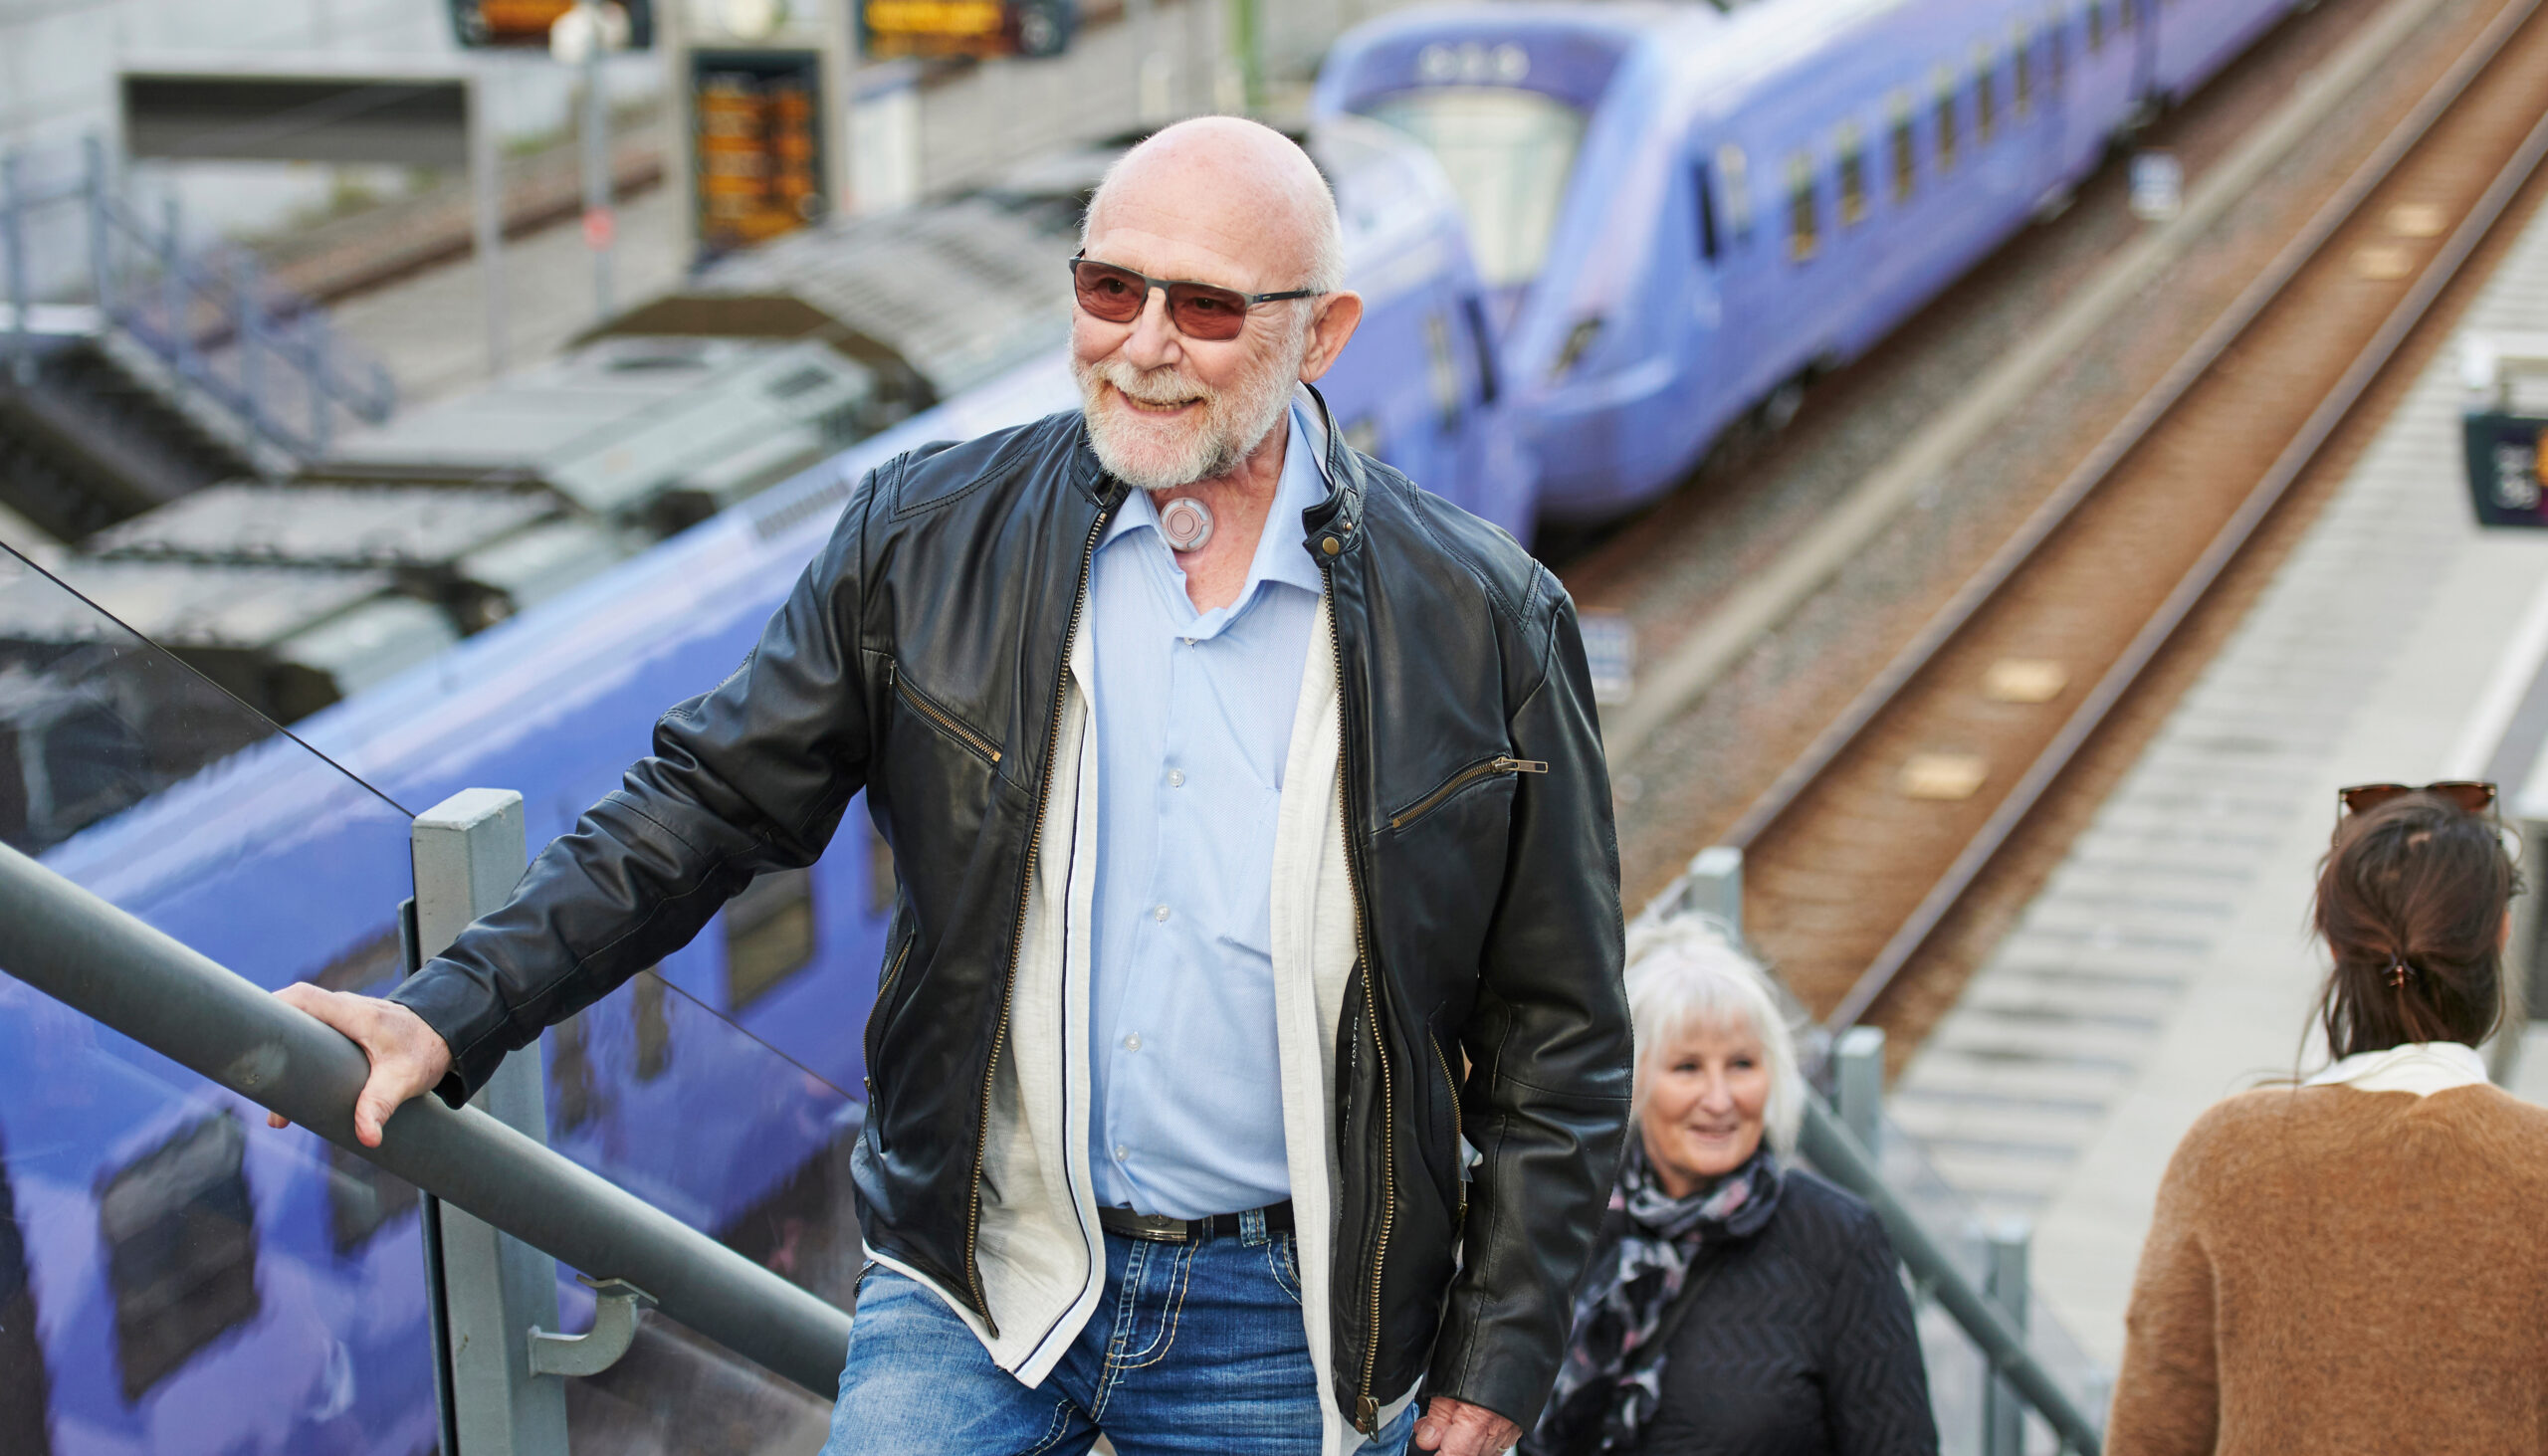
(2410,902)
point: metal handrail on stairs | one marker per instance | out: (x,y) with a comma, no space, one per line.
(103,963)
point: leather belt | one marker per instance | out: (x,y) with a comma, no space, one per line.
(1157,1230)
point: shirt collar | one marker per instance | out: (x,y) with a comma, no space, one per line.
(1302,484)
(2420,1067)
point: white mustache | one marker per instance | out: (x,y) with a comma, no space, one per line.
(1153,386)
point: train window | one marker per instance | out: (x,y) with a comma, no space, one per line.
(2096,19)
(1852,150)
(360,1199)
(2022,85)
(573,1098)
(179,1230)
(1899,152)
(1803,228)
(769,935)
(1482,342)
(654,1024)
(24,1396)
(2057,52)
(1508,152)
(1734,174)
(1945,121)
(2125,15)
(1442,370)
(369,967)
(1707,211)
(1986,99)
(884,887)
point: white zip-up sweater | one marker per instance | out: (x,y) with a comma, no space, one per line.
(1042,1256)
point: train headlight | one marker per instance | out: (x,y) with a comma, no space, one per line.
(1578,340)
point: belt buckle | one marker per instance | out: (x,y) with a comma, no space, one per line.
(1156,1229)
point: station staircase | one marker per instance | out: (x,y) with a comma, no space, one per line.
(170,369)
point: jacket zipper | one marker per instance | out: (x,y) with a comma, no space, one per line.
(892,969)
(1367,1410)
(1501,763)
(945,720)
(1459,1163)
(896,969)
(1017,941)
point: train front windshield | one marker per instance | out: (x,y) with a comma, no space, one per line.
(1508,153)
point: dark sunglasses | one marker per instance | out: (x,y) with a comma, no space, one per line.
(2362,798)
(1199,309)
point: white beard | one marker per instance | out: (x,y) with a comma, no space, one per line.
(1161,455)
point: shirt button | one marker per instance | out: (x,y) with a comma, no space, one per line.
(1132,1043)
(1188,641)
(1121,1153)
(1159,913)
(1177,778)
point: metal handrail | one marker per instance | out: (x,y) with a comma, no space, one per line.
(103,963)
(1840,1156)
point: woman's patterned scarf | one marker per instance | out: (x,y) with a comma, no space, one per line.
(1612,1378)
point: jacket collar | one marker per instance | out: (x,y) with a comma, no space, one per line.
(1331,528)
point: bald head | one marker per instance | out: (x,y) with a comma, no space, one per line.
(1228,189)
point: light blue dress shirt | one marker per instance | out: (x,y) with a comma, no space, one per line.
(1194,724)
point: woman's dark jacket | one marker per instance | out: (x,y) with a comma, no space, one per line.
(1801,1342)
(921,658)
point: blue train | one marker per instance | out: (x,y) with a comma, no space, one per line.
(1685,213)
(175,1279)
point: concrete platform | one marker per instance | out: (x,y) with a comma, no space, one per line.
(2167,963)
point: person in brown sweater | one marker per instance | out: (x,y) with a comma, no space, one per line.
(2357,1263)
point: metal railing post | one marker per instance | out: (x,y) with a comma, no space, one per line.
(243,299)
(314,353)
(1857,1064)
(13,238)
(101,241)
(2003,1412)
(1713,885)
(101,961)
(173,290)
(469,849)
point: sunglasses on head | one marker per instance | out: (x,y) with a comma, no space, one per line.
(2467,794)
(1199,309)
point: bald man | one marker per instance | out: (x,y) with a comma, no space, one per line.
(1249,1060)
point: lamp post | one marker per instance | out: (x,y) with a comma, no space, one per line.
(581,38)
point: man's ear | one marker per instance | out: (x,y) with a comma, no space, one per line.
(1334,320)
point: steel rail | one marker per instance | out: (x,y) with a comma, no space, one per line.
(103,963)
(2085,481)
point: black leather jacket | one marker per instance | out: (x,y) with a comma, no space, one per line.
(922,657)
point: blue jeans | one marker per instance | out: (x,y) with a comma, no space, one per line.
(1198,1350)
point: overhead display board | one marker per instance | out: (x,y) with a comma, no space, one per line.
(757,132)
(966,28)
(505,23)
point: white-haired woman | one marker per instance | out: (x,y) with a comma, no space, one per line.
(1734,1302)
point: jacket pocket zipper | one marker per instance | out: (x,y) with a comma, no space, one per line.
(945,719)
(876,1011)
(1501,763)
(1459,1161)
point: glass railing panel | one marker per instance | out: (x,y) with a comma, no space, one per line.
(717,1086)
(174,1276)
(663,1089)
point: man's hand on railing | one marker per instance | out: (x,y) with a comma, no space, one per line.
(407,1057)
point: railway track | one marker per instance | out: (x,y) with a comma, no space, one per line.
(1860,850)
